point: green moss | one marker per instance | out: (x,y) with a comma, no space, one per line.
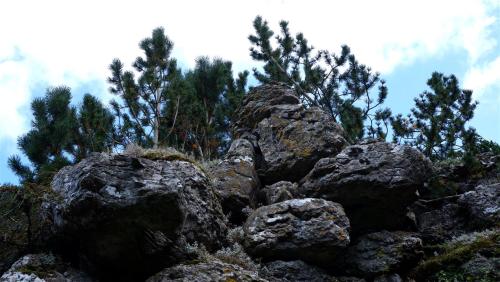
(41,271)
(454,254)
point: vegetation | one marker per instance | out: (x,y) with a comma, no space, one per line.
(160,105)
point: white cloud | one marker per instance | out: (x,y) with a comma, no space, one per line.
(71,42)
(484,77)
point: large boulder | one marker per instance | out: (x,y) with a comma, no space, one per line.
(128,217)
(213,270)
(236,181)
(294,271)
(382,252)
(374,182)
(482,205)
(43,268)
(289,138)
(312,230)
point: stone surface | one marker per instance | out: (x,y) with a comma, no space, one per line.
(482,205)
(382,252)
(388,278)
(374,181)
(41,268)
(482,267)
(294,271)
(131,216)
(309,229)
(289,138)
(214,270)
(278,192)
(23,226)
(236,181)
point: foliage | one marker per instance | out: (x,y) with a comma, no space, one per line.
(337,83)
(61,134)
(437,123)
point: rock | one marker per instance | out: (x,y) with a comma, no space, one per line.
(43,267)
(294,271)
(278,192)
(483,205)
(23,225)
(382,252)
(236,181)
(374,181)
(213,270)
(289,138)
(482,267)
(388,278)
(440,219)
(312,230)
(129,217)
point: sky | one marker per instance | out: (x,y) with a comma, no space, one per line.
(50,43)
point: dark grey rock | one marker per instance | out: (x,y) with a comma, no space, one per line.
(236,181)
(388,278)
(213,270)
(289,138)
(294,271)
(312,230)
(41,268)
(482,267)
(382,252)
(132,216)
(374,181)
(278,192)
(482,205)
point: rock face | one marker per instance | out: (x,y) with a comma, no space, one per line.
(43,267)
(236,181)
(289,138)
(213,270)
(278,192)
(374,181)
(294,271)
(132,216)
(382,253)
(483,205)
(307,229)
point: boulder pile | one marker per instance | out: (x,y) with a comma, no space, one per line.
(290,201)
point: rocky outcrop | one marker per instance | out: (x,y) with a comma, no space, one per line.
(294,271)
(213,270)
(382,252)
(236,181)
(278,192)
(131,216)
(289,138)
(307,229)
(23,224)
(43,268)
(482,205)
(374,181)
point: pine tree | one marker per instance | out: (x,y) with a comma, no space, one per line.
(61,134)
(437,124)
(146,97)
(337,83)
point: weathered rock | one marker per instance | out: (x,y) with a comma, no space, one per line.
(388,278)
(289,138)
(129,217)
(382,253)
(483,205)
(483,268)
(278,192)
(236,181)
(374,181)
(440,219)
(23,226)
(294,271)
(312,230)
(213,270)
(41,268)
